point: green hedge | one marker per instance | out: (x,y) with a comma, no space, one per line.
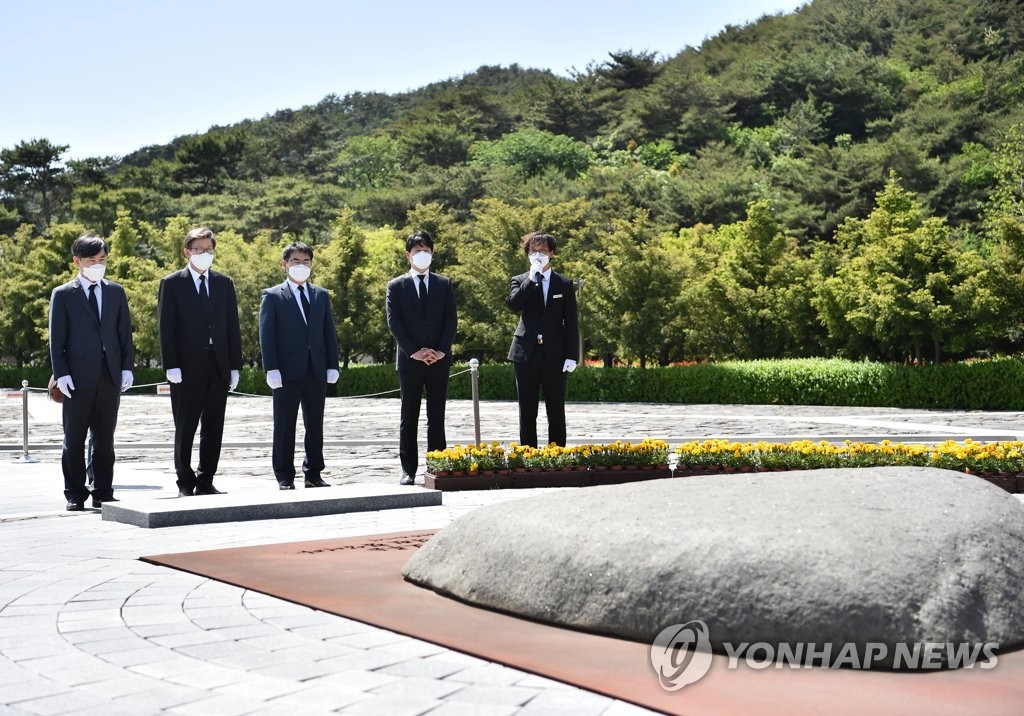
(996,384)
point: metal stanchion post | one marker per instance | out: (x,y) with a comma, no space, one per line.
(25,457)
(578,283)
(474,377)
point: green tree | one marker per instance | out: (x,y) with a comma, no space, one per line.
(531,151)
(369,162)
(253,266)
(208,159)
(746,289)
(634,294)
(344,270)
(131,264)
(902,282)
(31,171)
(1004,224)
(24,331)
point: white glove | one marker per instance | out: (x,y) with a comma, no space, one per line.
(126,380)
(569,366)
(332,375)
(174,375)
(535,268)
(274,379)
(66,385)
(235,375)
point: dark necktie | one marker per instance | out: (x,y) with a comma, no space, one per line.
(540,285)
(93,301)
(204,294)
(423,288)
(204,300)
(305,302)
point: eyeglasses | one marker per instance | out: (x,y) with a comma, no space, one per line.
(297,262)
(200,252)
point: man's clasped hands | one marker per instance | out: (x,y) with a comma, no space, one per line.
(428,355)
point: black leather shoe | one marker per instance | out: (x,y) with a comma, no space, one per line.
(407,479)
(285,486)
(98,502)
(75,506)
(316,482)
(184,493)
(211,490)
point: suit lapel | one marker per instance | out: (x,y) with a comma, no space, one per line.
(83,296)
(189,287)
(553,289)
(105,309)
(289,297)
(311,296)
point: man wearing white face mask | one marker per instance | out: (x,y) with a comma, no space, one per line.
(545,343)
(93,357)
(300,354)
(201,351)
(422,317)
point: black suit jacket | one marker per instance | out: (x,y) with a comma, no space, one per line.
(414,328)
(78,343)
(184,338)
(287,342)
(557,321)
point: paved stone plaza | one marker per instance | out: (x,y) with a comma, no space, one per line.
(87,628)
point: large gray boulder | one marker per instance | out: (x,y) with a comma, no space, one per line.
(862,556)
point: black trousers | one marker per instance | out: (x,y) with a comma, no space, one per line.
(531,376)
(200,400)
(310,394)
(90,409)
(414,377)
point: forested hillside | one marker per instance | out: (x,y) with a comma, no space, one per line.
(846,180)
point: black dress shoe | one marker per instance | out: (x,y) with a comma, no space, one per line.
(75,506)
(315,482)
(98,501)
(407,479)
(184,493)
(285,486)
(211,490)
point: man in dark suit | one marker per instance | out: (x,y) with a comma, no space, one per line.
(422,317)
(93,356)
(545,344)
(201,351)
(300,354)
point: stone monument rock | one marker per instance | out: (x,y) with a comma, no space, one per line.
(893,555)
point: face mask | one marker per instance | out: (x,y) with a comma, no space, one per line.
(299,273)
(95,272)
(422,260)
(538,259)
(201,262)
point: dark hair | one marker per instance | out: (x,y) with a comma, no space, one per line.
(294,247)
(88,245)
(538,238)
(419,238)
(200,233)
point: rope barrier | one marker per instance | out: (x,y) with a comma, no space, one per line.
(250,394)
(26,389)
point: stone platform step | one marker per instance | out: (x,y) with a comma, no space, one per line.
(264,503)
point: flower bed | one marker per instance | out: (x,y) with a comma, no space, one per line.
(490,466)
(522,458)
